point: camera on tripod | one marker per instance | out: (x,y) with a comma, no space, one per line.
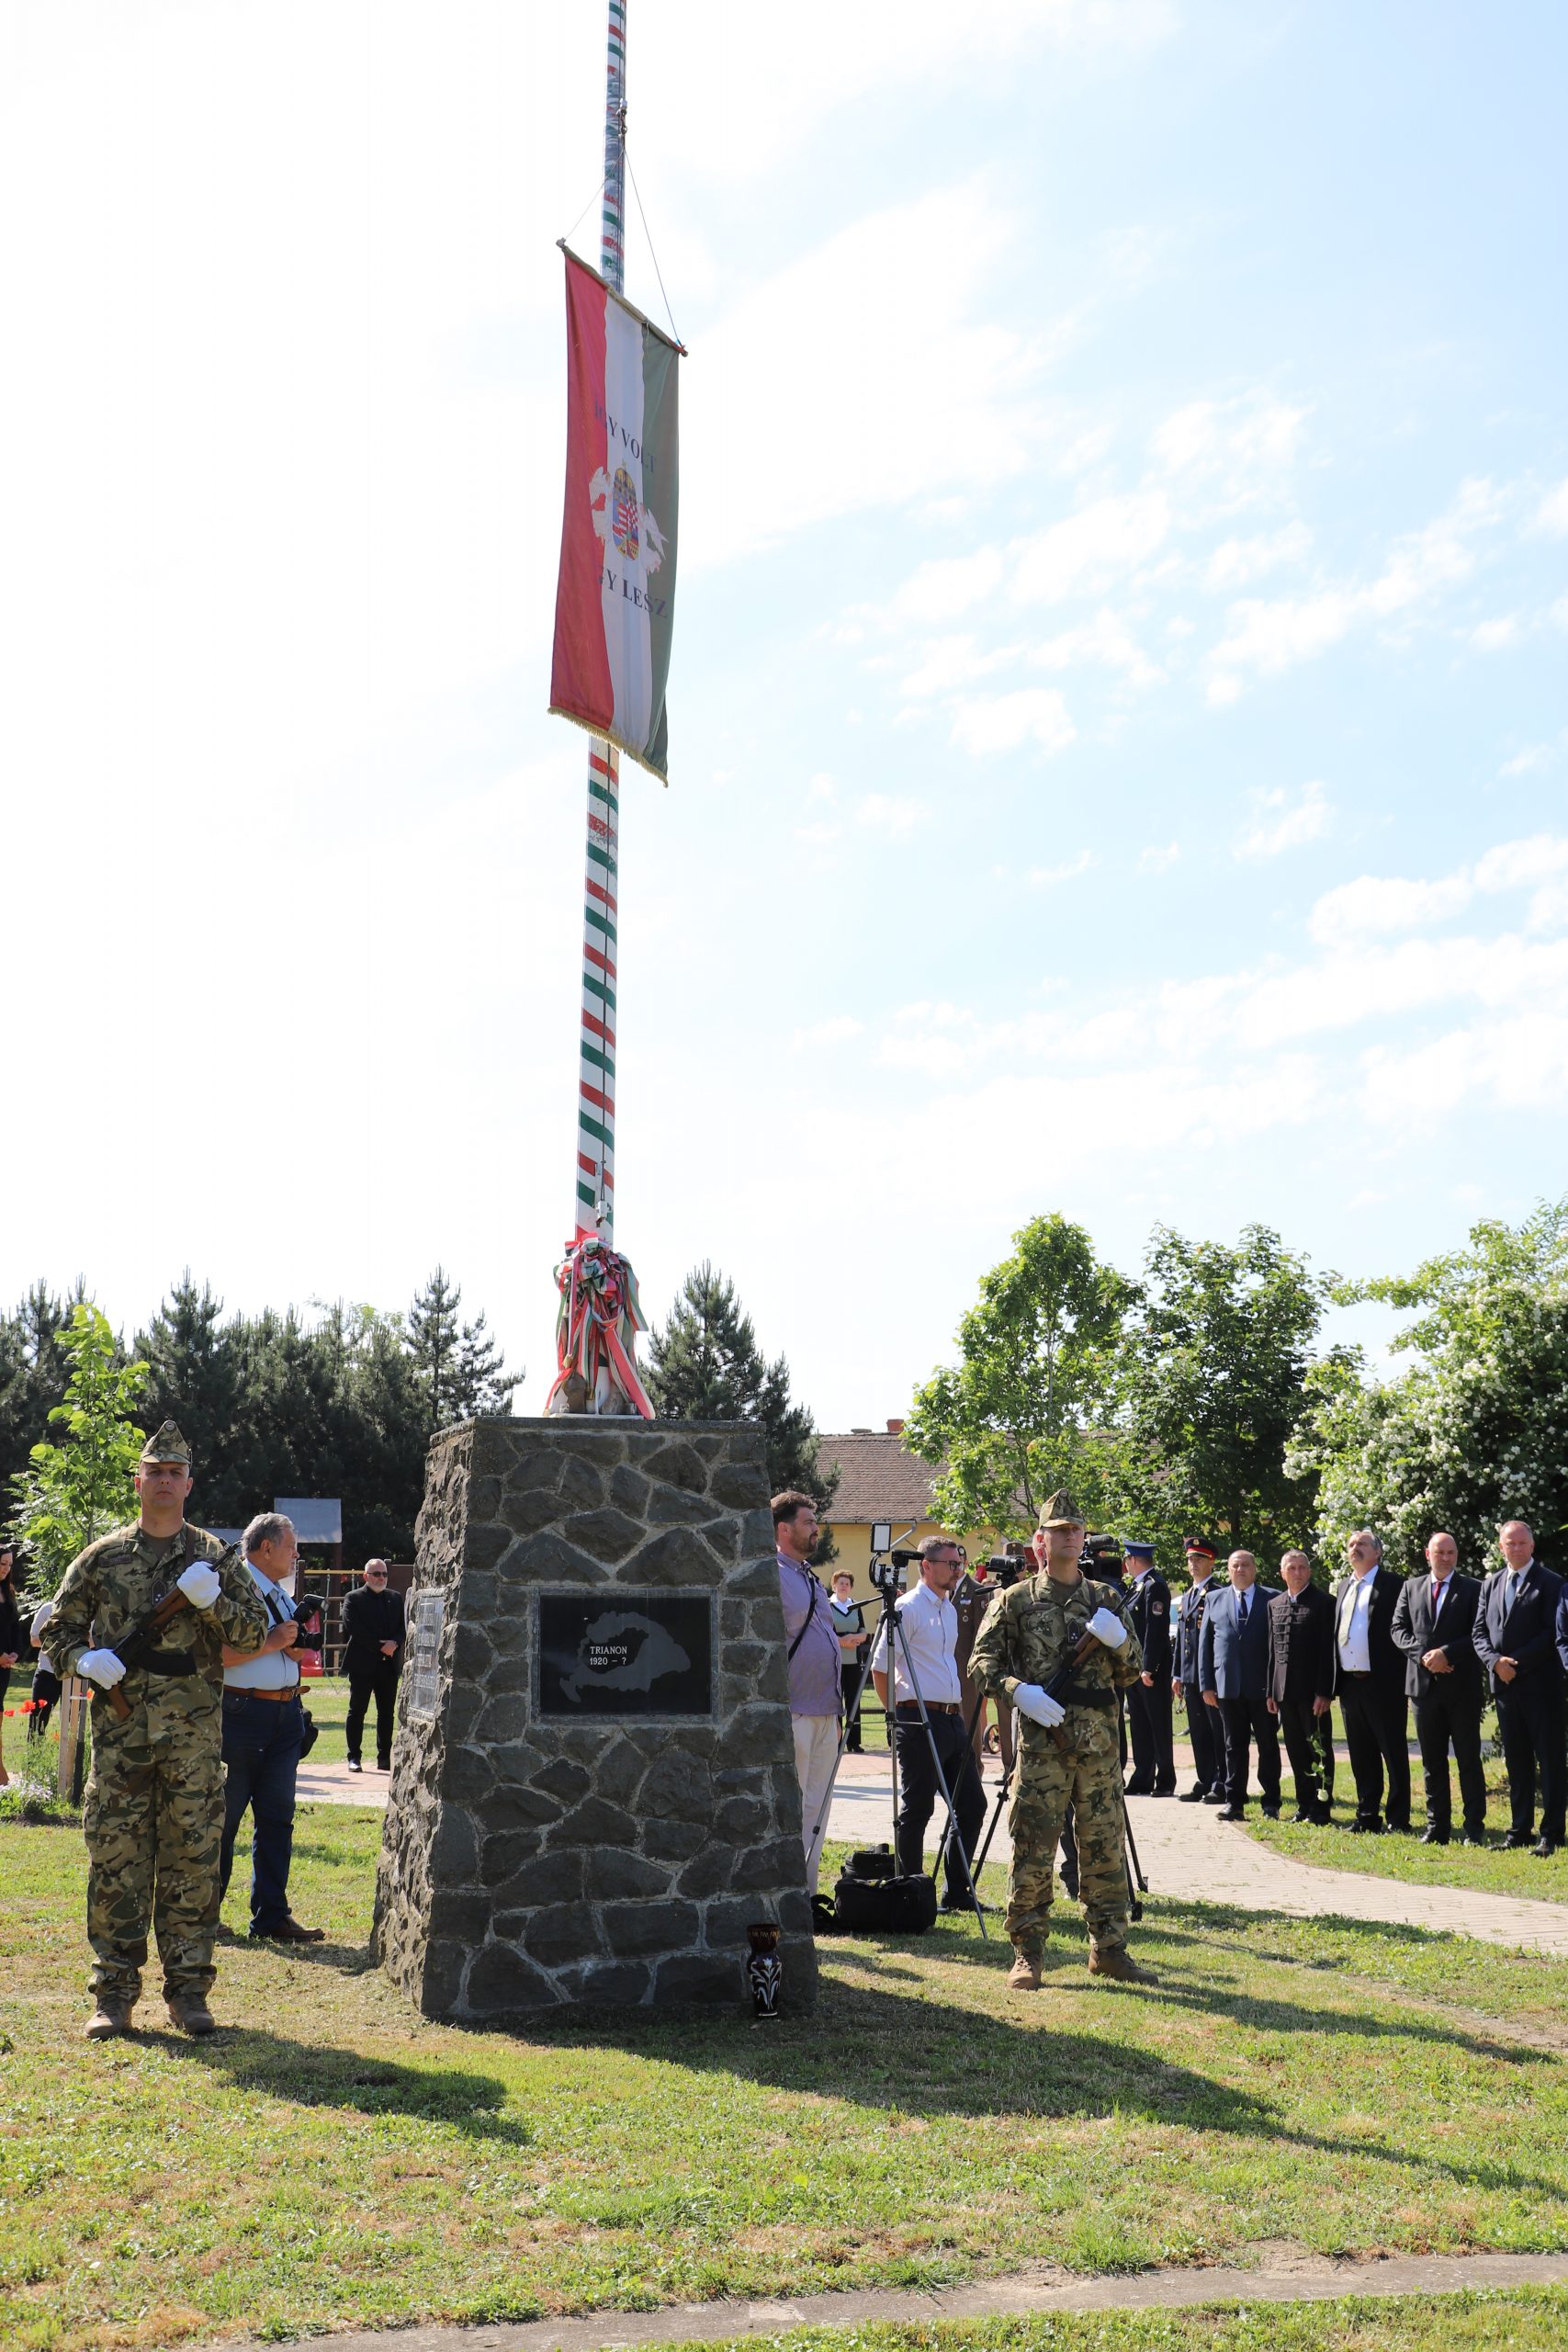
(1006,1567)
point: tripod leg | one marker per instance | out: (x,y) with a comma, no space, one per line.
(1136,1866)
(942,1786)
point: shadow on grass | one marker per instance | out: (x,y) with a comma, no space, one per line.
(314,2074)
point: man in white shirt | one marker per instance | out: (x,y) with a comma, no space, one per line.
(263,1729)
(1369,1682)
(929,1626)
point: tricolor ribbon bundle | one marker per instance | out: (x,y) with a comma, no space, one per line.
(597,1322)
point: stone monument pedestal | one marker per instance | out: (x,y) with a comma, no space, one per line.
(593,1793)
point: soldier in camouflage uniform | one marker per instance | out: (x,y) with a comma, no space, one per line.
(153,1817)
(1028,1637)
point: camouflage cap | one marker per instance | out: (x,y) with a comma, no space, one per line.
(166,1444)
(1060,1510)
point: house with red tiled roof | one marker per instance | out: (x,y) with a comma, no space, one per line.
(879,1479)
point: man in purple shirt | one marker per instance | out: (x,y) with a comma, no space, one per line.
(814,1688)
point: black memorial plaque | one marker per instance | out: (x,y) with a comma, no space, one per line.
(626,1653)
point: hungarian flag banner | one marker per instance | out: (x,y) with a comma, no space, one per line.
(616,596)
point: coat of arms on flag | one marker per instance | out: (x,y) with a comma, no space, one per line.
(616,596)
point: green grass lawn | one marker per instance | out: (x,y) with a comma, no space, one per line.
(1488,1868)
(329,2160)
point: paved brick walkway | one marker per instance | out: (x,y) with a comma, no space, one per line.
(1186,1851)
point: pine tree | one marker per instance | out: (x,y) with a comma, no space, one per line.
(34,1367)
(705,1365)
(460,1369)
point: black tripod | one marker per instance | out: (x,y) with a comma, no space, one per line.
(884,1575)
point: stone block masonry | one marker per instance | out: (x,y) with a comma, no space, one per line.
(593,1789)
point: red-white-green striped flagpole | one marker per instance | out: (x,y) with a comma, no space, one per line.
(607,1336)
(595,1190)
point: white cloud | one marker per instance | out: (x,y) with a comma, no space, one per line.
(1236,562)
(1084,554)
(1270,637)
(1358,913)
(948,662)
(1155,860)
(947,585)
(837,1029)
(896,818)
(1490,637)
(1233,447)
(1281,820)
(1003,722)
(1552,513)
(1040,876)
(1533,756)
(1515,865)
(1105,642)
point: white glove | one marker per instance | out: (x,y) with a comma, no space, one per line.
(101,1667)
(199,1584)
(1037,1704)
(1107,1627)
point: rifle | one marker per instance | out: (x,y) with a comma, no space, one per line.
(132,1646)
(1067,1672)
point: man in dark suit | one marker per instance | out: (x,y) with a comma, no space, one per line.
(1515,1637)
(1300,1683)
(1234,1673)
(1434,1624)
(1148,1700)
(373,1660)
(1370,1683)
(1186,1638)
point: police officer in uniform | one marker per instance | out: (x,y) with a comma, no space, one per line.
(1148,1699)
(1186,1675)
(153,1817)
(1028,1636)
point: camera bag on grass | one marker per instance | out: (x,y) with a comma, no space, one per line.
(872,1898)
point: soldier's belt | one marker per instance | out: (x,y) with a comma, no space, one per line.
(167,1662)
(1086,1694)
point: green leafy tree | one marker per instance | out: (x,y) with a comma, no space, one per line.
(1477,1430)
(34,1367)
(77,1490)
(1212,1391)
(704,1365)
(1026,1408)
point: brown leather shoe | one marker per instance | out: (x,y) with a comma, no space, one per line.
(289,1931)
(1115,1961)
(1024,1976)
(190,2013)
(109,2019)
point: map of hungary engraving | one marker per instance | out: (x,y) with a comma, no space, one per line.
(650,1655)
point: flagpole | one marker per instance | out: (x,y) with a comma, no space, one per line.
(615,1386)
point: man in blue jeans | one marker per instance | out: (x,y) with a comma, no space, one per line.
(264,1728)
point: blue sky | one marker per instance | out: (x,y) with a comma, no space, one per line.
(1118,725)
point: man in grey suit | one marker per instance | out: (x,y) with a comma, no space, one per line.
(1235,1677)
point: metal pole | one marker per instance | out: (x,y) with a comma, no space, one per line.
(594,1195)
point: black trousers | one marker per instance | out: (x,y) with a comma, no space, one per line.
(1206,1733)
(1148,1718)
(1247,1721)
(1530,1719)
(919,1791)
(378,1682)
(1377,1736)
(849,1684)
(1452,1718)
(1309,1744)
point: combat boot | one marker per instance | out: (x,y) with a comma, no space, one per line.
(1115,1961)
(1025,1973)
(190,2013)
(112,2017)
